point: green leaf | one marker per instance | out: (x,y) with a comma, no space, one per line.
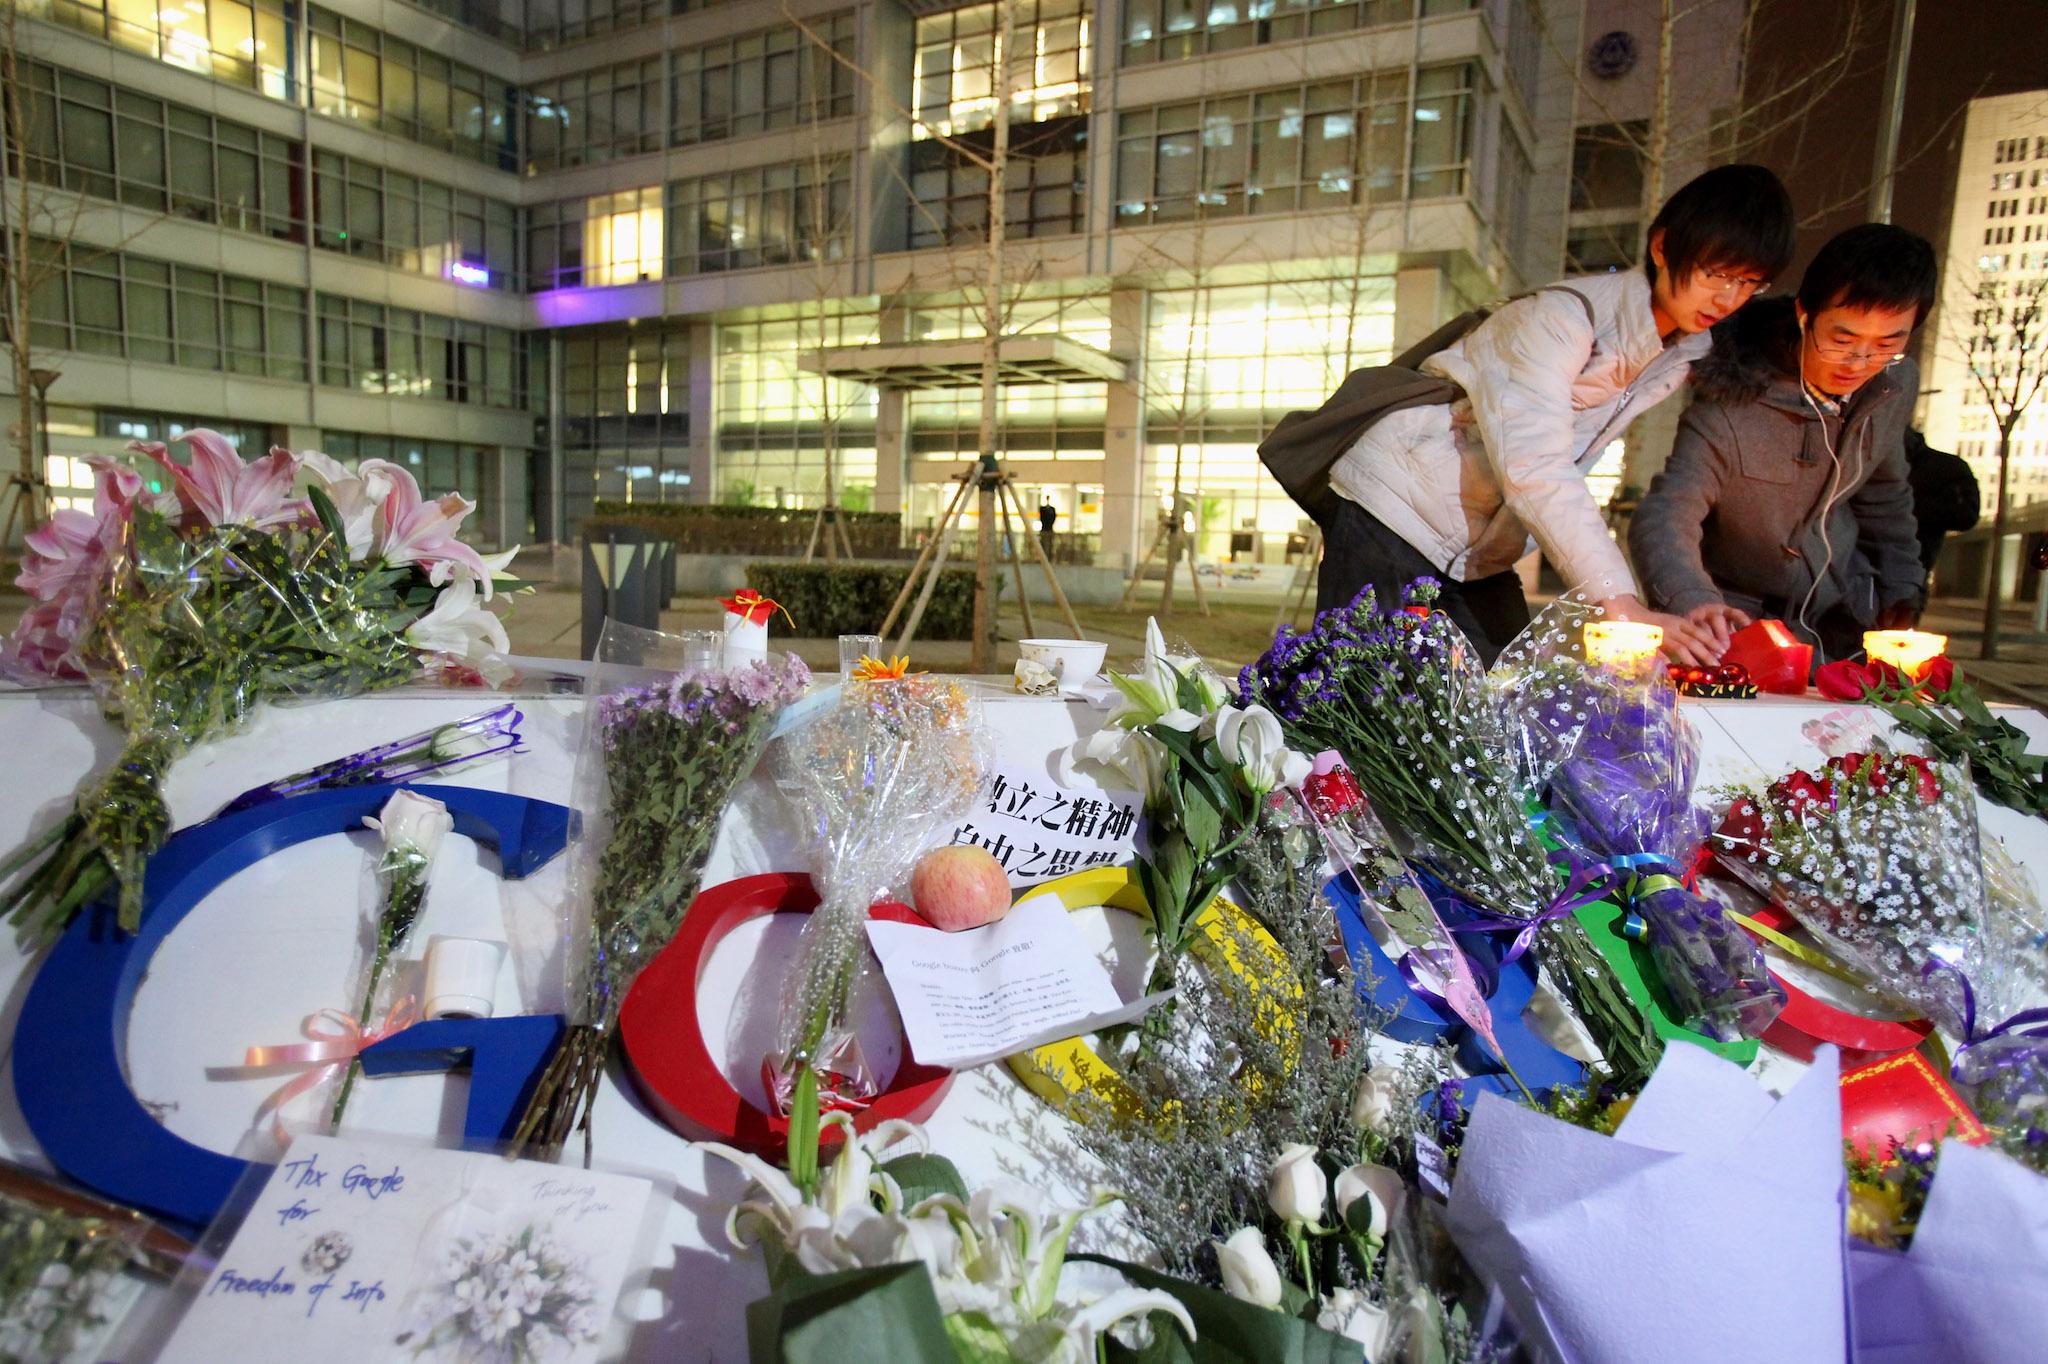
(976,1340)
(803,1129)
(888,1313)
(1202,820)
(921,1176)
(329,514)
(1227,1331)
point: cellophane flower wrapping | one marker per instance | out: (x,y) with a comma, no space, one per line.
(875,779)
(660,757)
(1622,759)
(1402,697)
(288,576)
(1881,860)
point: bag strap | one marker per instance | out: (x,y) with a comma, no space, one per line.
(1465,323)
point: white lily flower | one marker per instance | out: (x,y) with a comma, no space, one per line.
(1296,1186)
(1382,1189)
(412,822)
(1346,1312)
(1249,1274)
(460,627)
(357,495)
(1121,757)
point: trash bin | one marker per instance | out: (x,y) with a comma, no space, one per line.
(627,577)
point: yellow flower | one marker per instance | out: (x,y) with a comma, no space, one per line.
(1611,1116)
(1876,1213)
(875,670)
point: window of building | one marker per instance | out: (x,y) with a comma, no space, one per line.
(165,158)
(594,116)
(1607,166)
(242,43)
(625,400)
(419,225)
(760,81)
(439,466)
(955,73)
(1169,30)
(622,239)
(557,23)
(375,348)
(120,304)
(366,76)
(779,423)
(1045,180)
(1301,147)
(766,215)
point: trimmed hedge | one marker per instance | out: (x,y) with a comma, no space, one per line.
(851,599)
(701,528)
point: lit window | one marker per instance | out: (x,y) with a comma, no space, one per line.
(622,241)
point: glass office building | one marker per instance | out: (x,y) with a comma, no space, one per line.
(556,251)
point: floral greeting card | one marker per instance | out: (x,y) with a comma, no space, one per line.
(375,1250)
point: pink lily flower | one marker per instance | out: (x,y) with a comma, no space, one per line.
(412,530)
(223,490)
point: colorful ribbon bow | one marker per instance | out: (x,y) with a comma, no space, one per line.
(1590,883)
(336,1039)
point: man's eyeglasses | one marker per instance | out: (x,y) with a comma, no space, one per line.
(1722,282)
(1849,355)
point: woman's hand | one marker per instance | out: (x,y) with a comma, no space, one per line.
(1684,642)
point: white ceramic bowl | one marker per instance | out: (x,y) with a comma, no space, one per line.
(1073,661)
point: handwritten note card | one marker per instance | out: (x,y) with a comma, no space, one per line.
(1040,831)
(362,1250)
(1023,981)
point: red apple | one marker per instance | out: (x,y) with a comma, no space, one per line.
(960,887)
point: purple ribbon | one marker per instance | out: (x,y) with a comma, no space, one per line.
(1590,883)
(2031,1023)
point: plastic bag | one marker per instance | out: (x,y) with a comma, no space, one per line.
(187,609)
(1622,759)
(876,776)
(660,756)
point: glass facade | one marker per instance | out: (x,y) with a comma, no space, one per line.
(759,82)
(1223,364)
(1325,144)
(593,116)
(120,304)
(402,352)
(440,466)
(423,226)
(1170,30)
(84,135)
(779,423)
(625,412)
(366,76)
(252,45)
(955,73)
(766,215)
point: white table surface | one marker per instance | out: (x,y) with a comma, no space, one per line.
(278,942)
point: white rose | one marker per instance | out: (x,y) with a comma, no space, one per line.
(1249,1274)
(1380,1187)
(1346,1312)
(1370,1104)
(410,820)
(1295,1186)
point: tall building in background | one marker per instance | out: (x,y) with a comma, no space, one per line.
(558,251)
(1995,259)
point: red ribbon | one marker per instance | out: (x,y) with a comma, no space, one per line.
(754,608)
(336,1039)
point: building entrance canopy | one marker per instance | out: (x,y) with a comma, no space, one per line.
(1038,359)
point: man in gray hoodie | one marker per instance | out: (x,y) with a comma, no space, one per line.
(1786,495)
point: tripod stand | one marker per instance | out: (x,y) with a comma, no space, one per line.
(827,523)
(998,499)
(1174,542)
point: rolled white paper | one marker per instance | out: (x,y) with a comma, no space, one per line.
(745,640)
(462,977)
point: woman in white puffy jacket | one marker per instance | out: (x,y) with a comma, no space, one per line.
(1458,491)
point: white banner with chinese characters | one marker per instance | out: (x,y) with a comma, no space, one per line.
(1040,830)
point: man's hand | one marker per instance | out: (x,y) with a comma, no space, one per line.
(1684,642)
(1721,621)
(1899,617)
